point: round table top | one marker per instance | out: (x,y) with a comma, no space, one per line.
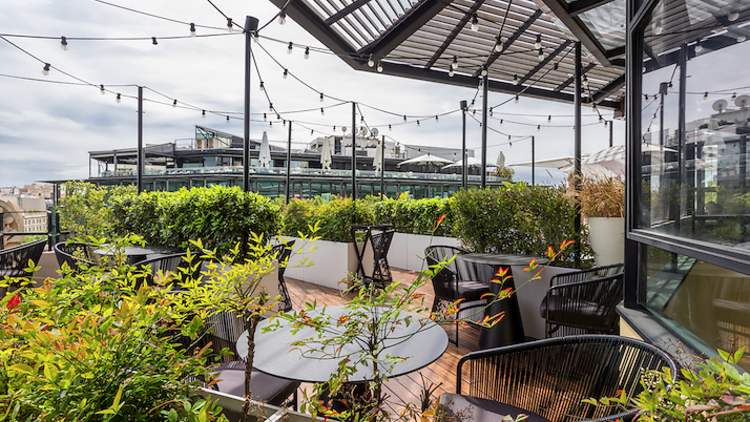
(138,250)
(502,259)
(274,355)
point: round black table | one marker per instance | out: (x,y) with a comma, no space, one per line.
(136,254)
(483,267)
(274,355)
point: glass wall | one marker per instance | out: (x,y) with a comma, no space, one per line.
(690,212)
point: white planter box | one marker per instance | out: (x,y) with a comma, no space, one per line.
(331,262)
(531,295)
(607,239)
(260,411)
(407,250)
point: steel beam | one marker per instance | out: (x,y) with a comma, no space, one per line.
(495,55)
(579,30)
(608,89)
(580,6)
(454,33)
(544,62)
(345,11)
(573,78)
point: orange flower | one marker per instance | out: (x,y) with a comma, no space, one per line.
(14,302)
(440,220)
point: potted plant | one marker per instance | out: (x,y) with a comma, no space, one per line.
(602,202)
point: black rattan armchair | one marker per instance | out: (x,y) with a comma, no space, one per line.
(381,242)
(74,255)
(13,261)
(450,285)
(224,328)
(548,379)
(583,302)
(282,253)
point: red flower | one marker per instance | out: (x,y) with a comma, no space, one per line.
(440,220)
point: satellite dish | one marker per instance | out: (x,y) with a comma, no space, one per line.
(374,132)
(720,105)
(363,131)
(343,129)
(742,101)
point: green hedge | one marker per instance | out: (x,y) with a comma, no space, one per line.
(416,216)
(517,218)
(333,217)
(220,216)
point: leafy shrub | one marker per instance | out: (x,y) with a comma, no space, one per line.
(220,216)
(334,217)
(415,216)
(84,209)
(516,218)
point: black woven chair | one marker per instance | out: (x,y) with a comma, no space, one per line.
(161,266)
(74,255)
(583,302)
(548,379)
(224,329)
(282,252)
(381,272)
(13,261)
(451,284)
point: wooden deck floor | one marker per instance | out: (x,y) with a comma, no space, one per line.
(406,388)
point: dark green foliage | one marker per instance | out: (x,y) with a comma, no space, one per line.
(334,217)
(218,215)
(416,216)
(517,218)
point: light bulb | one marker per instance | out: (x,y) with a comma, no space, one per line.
(601,119)
(538,43)
(454,65)
(45,70)
(312,132)
(265,117)
(508,138)
(499,44)
(289,48)
(501,122)
(742,38)
(404,118)
(389,127)
(371,61)
(64,44)
(451,72)
(515,79)
(322,111)
(585,81)
(192,30)
(278,117)
(658,29)
(417,123)
(174,103)
(538,128)
(698,48)
(474,23)
(361,119)
(119,97)
(283,123)
(516,99)
(436,118)
(549,118)
(484,73)
(307,53)
(734,96)
(705,96)
(605,123)
(227,119)
(270,106)
(286,72)
(491,111)
(671,87)
(556,66)
(101,88)
(321,97)
(541,54)
(262,87)
(474,112)
(282,17)
(270,124)
(153,41)
(204,114)
(229,25)
(380,67)
(334,128)
(733,16)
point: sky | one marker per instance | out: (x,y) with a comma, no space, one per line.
(48,124)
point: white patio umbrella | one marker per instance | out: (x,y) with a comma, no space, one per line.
(470,162)
(325,155)
(613,158)
(566,164)
(426,160)
(500,160)
(377,161)
(265,152)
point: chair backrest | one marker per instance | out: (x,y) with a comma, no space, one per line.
(17,258)
(586,307)
(439,253)
(590,274)
(551,377)
(162,265)
(73,254)
(282,252)
(381,243)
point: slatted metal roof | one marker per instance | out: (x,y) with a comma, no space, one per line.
(420,38)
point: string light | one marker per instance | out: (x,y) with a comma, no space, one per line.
(227,119)
(484,73)
(585,81)
(601,119)
(192,30)
(289,48)
(490,111)
(516,99)
(278,117)
(371,61)
(361,119)
(501,122)
(312,132)
(282,17)
(451,72)
(671,87)
(262,87)
(270,124)
(436,118)
(380,67)
(417,123)
(229,25)
(389,127)
(474,23)
(101,88)
(541,54)
(286,73)
(265,117)
(283,123)
(153,41)
(698,48)
(45,70)
(538,43)
(404,118)
(538,128)
(270,106)
(307,53)
(734,96)
(321,97)
(454,65)
(556,66)
(119,97)
(334,128)
(64,44)
(499,44)
(174,103)
(549,118)
(515,79)
(705,96)
(322,112)
(203,114)
(605,123)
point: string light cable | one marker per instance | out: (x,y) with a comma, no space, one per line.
(156,16)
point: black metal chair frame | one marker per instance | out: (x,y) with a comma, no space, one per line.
(65,253)
(570,292)
(163,264)
(449,275)
(380,242)
(14,260)
(550,377)
(282,252)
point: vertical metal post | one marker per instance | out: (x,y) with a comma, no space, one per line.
(289,163)
(611,131)
(382,167)
(354,151)
(662,94)
(577,171)
(682,174)
(484,130)
(140,164)
(251,24)
(2,231)
(533,161)
(464,163)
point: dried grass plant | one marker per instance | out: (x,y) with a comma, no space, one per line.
(601,197)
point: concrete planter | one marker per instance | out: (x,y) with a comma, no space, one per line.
(407,250)
(332,261)
(607,239)
(530,296)
(259,411)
